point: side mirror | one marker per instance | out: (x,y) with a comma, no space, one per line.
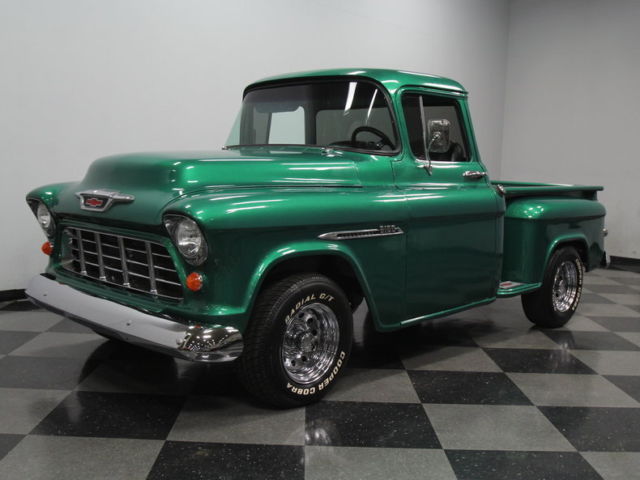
(438,135)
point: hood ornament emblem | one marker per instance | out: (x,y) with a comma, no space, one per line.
(102,200)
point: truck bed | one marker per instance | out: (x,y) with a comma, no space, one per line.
(538,217)
(525,189)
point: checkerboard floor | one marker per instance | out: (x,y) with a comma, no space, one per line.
(479,395)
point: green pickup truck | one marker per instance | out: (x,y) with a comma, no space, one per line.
(334,187)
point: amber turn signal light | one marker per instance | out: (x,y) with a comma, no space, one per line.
(194,281)
(47,248)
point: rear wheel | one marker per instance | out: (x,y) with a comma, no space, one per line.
(553,304)
(297,342)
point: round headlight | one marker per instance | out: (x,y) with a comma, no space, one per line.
(44,216)
(187,237)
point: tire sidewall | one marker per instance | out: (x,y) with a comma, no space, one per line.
(568,254)
(316,291)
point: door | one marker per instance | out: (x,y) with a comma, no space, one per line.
(452,258)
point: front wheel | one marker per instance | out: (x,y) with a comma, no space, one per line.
(554,303)
(298,341)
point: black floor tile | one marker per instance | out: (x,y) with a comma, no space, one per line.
(9,340)
(179,460)
(629,384)
(378,356)
(590,340)
(598,429)
(619,324)
(19,306)
(166,377)
(486,388)
(43,372)
(218,379)
(495,465)
(7,442)
(536,361)
(593,298)
(93,414)
(362,424)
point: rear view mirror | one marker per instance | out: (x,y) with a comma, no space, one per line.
(438,135)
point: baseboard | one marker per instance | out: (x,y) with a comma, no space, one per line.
(9,295)
(626,263)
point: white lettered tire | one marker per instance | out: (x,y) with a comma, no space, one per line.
(297,342)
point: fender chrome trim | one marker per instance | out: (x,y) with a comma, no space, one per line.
(381,231)
(198,343)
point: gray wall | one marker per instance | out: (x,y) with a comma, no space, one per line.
(86,78)
(572,110)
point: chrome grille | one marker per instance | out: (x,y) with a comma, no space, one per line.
(127,262)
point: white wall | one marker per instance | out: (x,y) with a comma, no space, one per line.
(86,78)
(572,110)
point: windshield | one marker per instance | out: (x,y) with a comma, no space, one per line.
(341,114)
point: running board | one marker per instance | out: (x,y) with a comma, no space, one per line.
(509,288)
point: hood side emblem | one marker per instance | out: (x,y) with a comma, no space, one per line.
(102,200)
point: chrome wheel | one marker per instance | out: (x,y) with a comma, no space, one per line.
(310,343)
(565,286)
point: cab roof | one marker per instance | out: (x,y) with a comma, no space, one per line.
(391,79)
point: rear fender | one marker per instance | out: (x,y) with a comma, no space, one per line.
(535,227)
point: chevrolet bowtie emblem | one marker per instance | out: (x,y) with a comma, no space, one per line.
(102,200)
(93,202)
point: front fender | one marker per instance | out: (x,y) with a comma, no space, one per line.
(306,249)
(251,231)
(49,194)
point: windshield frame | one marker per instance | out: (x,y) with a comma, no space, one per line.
(325,79)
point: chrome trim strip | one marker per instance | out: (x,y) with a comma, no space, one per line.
(83,266)
(103,277)
(212,343)
(152,272)
(381,231)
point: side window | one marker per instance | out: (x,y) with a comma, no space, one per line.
(442,114)
(287,127)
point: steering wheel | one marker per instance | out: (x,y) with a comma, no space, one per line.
(384,140)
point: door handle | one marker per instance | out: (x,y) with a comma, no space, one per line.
(474,174)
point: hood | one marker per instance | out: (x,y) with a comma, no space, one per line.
(155,179)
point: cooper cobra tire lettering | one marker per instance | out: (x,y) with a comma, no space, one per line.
(301,391)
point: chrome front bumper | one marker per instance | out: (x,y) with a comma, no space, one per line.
(188,341)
